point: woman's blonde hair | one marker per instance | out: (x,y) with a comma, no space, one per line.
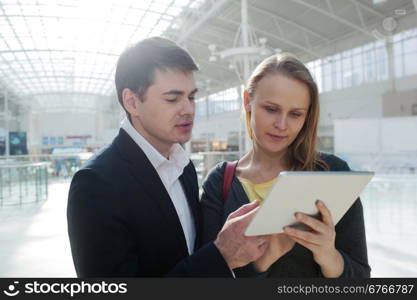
(302,154)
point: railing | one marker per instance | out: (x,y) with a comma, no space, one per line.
(24,178)
(22,183)
(390,211)
(383,162)
(61,165)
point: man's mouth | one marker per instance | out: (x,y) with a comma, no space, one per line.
(185,127)
(185,124)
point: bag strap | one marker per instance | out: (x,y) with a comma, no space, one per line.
(229,171)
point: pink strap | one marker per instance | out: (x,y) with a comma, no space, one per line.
(228,177)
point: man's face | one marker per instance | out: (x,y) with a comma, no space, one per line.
(165,115)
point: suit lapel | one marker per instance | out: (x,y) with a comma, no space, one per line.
(190,187)
(149,179)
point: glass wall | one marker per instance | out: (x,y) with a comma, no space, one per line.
(220,102)
(354,67)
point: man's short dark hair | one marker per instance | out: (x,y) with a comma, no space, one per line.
(137,64)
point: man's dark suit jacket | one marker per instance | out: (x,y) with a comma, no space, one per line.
(122,222)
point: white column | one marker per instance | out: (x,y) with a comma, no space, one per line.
(245,39)
(6,119)
(243,139)
(389,44)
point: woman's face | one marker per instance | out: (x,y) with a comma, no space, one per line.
(278,110)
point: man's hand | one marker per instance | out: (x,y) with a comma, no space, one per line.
(278,245)
(237,249)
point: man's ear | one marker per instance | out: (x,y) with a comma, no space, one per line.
(246,101)
(129,101)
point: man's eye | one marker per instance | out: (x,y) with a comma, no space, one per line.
(191,98)
(171,100)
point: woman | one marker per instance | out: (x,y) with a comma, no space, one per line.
(282,112)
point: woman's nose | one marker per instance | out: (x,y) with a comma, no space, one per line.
(281,123)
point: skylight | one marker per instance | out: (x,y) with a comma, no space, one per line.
(70,46)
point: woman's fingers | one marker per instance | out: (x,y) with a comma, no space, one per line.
(303,235)
(317,225)
(311,222)
(325,213)
(310,246)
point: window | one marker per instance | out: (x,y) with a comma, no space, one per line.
(398,59)
(414,109)
(381,63)
(369,66)
(347,69)
(410,56)
(357,71)
(337,72)
(327,77)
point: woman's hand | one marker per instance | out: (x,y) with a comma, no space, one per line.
(320,241)
(278,245)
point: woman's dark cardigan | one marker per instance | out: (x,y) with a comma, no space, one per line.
(298,262)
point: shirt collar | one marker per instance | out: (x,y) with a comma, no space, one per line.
(177,155)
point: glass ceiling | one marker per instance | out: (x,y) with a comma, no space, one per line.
(50,47)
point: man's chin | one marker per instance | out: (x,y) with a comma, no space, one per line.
(183,139)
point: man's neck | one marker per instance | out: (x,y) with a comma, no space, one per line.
(163,148)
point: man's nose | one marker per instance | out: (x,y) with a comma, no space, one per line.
(188,107)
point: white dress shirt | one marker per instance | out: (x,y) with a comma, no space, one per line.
(169,170)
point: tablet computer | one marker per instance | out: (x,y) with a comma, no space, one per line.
(297,192)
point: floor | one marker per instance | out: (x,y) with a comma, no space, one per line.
(33,238)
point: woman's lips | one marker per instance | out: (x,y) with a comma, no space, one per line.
(277,138)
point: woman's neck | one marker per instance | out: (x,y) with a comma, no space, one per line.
(260,166)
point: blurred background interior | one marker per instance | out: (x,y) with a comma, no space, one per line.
(58,104)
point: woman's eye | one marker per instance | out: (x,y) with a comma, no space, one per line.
(296,115)
(270,109)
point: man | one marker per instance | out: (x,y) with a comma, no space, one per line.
(133,210)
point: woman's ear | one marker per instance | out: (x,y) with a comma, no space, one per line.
(246,101)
